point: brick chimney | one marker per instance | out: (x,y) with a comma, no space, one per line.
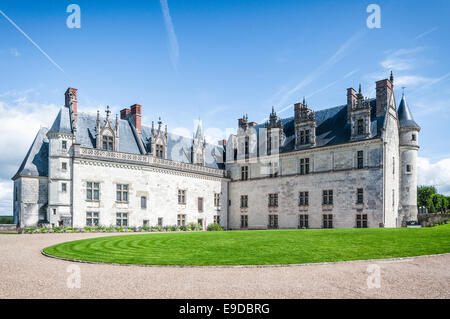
(384,92)
(136,115)
(351,101)
(124,114)
(71,102)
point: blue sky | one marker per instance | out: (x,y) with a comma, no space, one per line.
(217,60)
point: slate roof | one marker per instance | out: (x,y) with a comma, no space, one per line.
(404,115)
(35,162)
(178,148)
(331,127)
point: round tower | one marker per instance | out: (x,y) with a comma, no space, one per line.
(409,146)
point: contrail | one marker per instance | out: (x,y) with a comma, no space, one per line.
(173,42)
(338,55)
(31,40)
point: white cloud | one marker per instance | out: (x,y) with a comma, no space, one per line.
(14,52)
(396,64)
(434,174)
(6,197)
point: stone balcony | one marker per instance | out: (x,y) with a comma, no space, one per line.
(148,160)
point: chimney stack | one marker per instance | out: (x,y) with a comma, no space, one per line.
(384,90)
(124,114)
(351,101)
(71,103)
(136,114)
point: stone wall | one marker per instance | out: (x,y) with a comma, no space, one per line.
(159,186)
(330,169)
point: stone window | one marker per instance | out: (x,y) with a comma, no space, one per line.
(273,200)
(159,151)
(393,165)
(216,200)
(360,196)
(273,221)
(63,187)
(408,168)
(182,196)
(361,220)
(360,127)
(200,204)
(16,194)
(54,211)
(269,143)
(305,137)
(64,145)
(181,220)
(122,193)
(327,220)
(244,201)
(244,221)
(327,197)
(108,144)
(244,173)
(145,223)
(304,222)
(414,137)
(122,219)
(160,221)
(393,198)
(217,219)
(273,169)
(92,191)
(246,146)
(92,219)
(303,199)
(304,166)
(143,202)
(235,154)
(360,159)
(64,166)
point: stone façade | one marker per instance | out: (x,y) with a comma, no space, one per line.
(364,152)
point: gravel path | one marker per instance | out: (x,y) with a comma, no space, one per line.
(25,273)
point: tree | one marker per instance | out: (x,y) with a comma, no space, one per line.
(424,193)
(430,206)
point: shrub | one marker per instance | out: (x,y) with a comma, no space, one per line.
(214,227)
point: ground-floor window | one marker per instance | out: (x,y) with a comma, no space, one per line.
(160,221)
(122,219)
(217,219)
(304,223)
(273,221)
(327,221)
(244,221)
(200,221)
(361,220)
(92,219)
(181,220)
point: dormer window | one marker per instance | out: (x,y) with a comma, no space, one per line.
(159,151)
(360,127)
(108,143)
(305,137)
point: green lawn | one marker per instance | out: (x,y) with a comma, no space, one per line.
(258,247)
